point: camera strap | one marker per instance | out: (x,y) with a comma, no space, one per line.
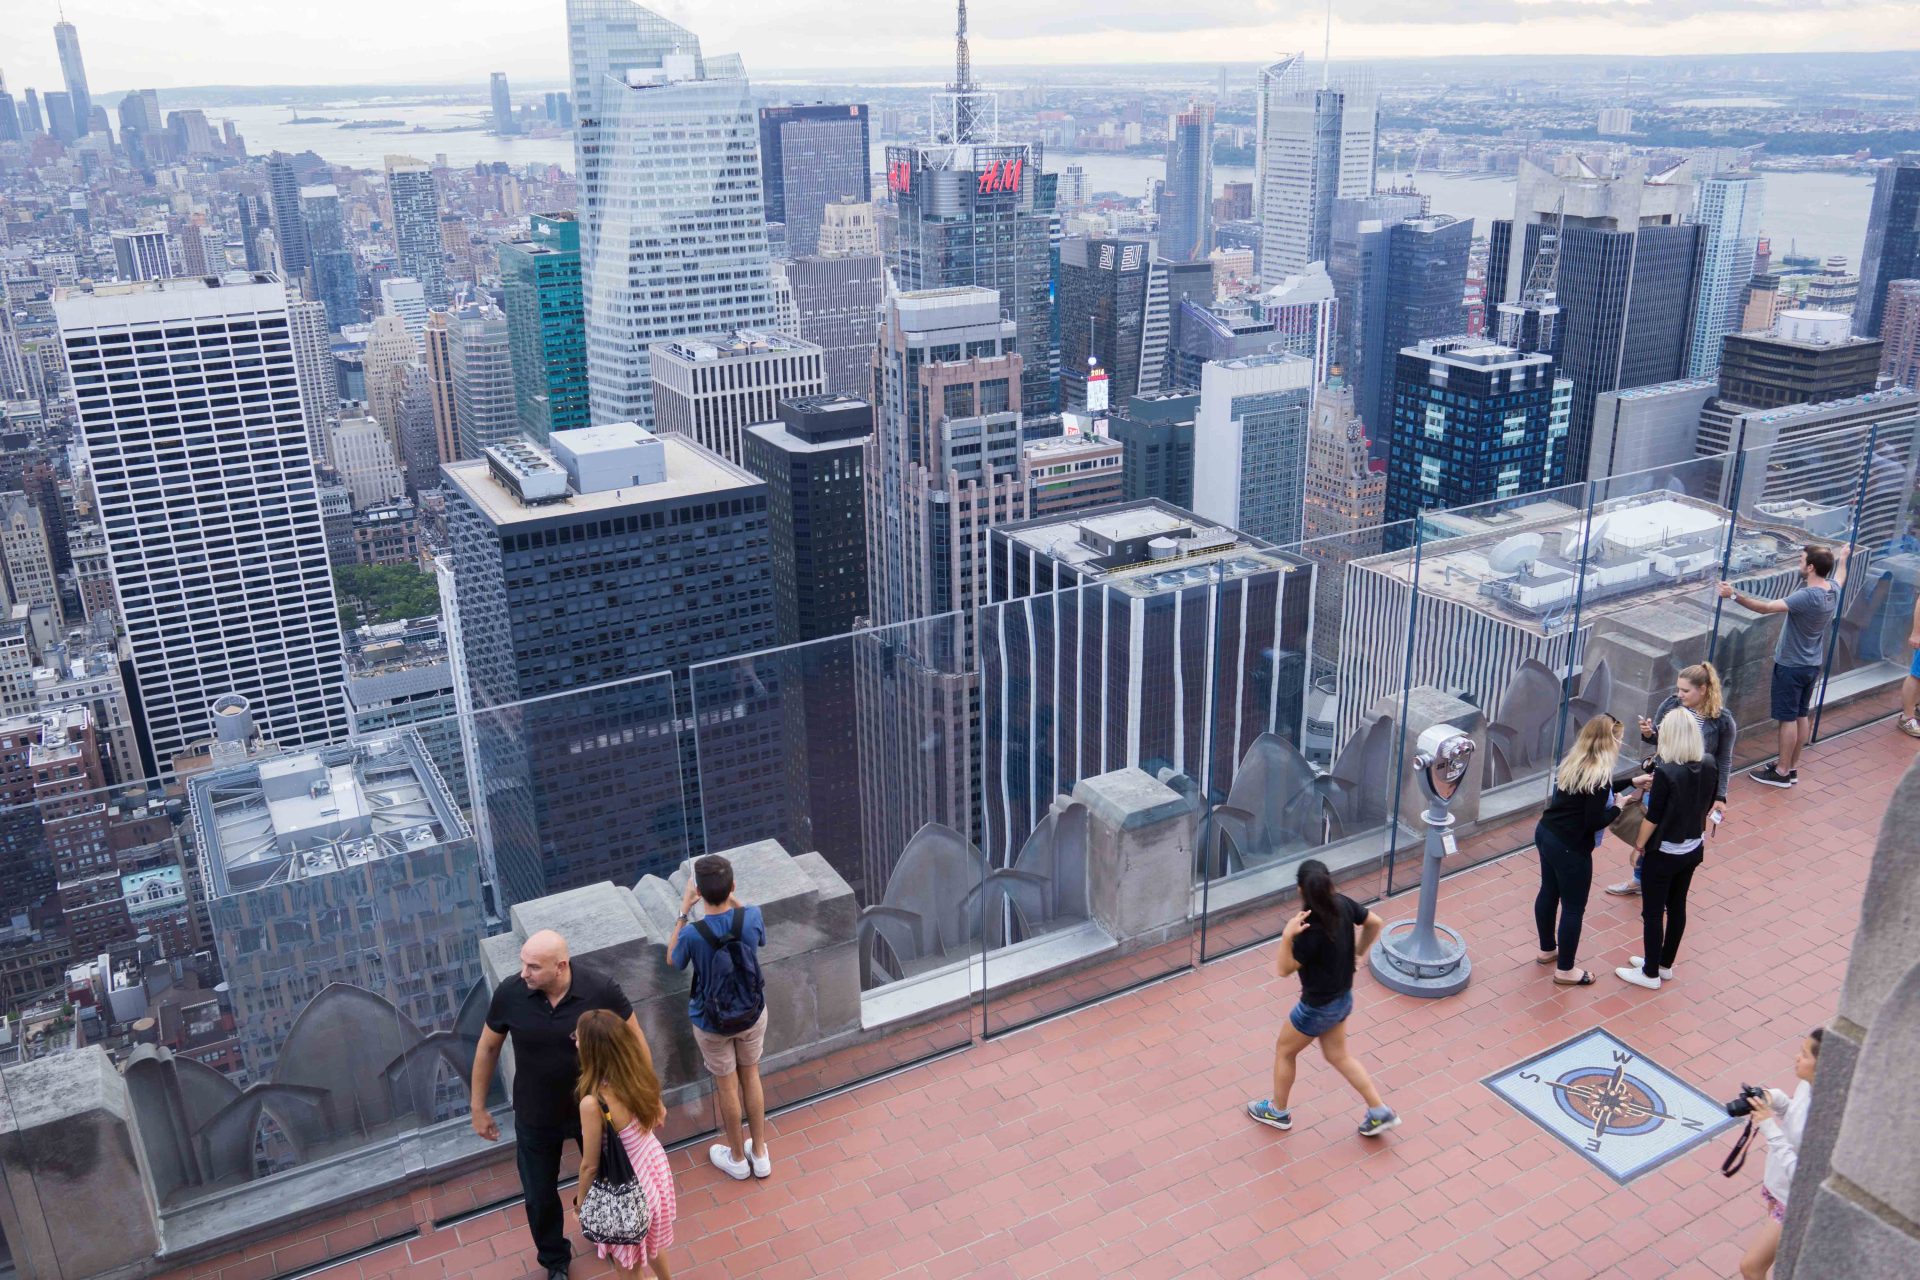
(1737,1158)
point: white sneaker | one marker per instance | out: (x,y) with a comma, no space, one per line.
(1632,975)
(1639,962)
(760,1159)
(1910,726)
(722,1157)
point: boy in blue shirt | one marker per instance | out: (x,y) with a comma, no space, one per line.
(723,947)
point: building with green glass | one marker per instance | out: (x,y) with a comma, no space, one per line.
(546,324)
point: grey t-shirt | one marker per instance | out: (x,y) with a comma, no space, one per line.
(1803,636)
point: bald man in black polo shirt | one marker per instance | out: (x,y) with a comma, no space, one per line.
(539,1007)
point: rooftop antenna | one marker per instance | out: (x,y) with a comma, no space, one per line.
(973,116)
(1326,50)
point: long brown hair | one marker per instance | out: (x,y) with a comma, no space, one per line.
(1702,676)
(611,1066)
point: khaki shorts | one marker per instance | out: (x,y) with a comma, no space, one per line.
(725,1054)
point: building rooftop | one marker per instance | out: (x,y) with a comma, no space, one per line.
(1145,546)
(690,470)
(310,813)
(1676,387)
(706,347)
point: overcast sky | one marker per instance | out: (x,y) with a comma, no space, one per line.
(164,43)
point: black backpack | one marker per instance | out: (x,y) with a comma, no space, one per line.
(731,990)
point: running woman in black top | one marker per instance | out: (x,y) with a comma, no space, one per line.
(1319,945)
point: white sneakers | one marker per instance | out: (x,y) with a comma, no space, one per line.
(1639,962)
(757,1164)
(1637,978)
(722,1157)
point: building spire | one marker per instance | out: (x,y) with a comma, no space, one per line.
(962,58)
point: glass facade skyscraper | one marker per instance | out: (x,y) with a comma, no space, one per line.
(540,288)
(330,265)
(672,234)
(415,198)
(1315,144)
(810,157)
(1250,444)
(1186,232)
(1892,250)
(1103,304)
(1729,216)
(66,39)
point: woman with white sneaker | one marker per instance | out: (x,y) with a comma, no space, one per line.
(1684,790)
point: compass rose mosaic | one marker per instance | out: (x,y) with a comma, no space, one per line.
(1610,1103)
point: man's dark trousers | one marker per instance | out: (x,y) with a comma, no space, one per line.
(539,1155)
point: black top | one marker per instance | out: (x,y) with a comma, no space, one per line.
(1326,956)
(1717,737)
(1679,800)
(546,1065)
(1576,817)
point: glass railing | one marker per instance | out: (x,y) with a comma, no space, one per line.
(955,826)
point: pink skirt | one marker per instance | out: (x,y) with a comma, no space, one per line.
(656,1179)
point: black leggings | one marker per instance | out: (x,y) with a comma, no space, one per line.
(1566,876)
(1664,880)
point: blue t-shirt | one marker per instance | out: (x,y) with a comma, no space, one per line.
(691,948)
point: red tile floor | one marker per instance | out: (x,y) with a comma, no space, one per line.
(1111,1142)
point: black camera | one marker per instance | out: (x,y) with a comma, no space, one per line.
(1743,1105)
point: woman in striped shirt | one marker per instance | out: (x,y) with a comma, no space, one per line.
(1697,691)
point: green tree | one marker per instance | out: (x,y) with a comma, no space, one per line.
(368,593)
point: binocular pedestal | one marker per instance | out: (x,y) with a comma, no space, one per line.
(1423,958)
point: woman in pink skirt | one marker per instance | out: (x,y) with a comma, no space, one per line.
(613,1075)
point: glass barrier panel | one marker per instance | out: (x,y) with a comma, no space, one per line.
(1870,653)
(1794,491)
(839,776)
(1094,709)
(1310,660)
(1495,642)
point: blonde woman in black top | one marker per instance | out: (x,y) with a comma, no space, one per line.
(1577,814)
(1682,795)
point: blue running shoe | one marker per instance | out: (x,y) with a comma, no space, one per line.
(1378,1121)
(1263,1112)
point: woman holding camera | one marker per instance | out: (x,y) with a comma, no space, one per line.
(1577,814)
(1781,1121)
(1685,787)
(1696,691)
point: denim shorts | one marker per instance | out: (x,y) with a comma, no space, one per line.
(1913,667)
(1793,691)
(1318,1019)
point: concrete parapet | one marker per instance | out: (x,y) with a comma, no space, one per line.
(67,1139)
(1140,864)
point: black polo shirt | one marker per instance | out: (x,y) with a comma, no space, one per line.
(546,1065)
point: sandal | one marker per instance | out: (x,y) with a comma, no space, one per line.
(1546,957)
(1584,980)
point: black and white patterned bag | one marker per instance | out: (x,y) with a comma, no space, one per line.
(614,1210)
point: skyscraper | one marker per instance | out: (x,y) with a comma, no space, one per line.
(712,387)
(1403,279)
(1346,499)
(415,198)
(943,466)
(1315,145)
(142,254)
(1892,250)
(438,343)
(640,85)
(60,121)
(640,554)
(1186,234)
(213,527)
(540,292)
(1472,421)
(9,115)
(1156,432)
(503,121)
(1900,331)
(389,350)
(975,211)
(67,40)
(1102,307)
(289,220)
(1250,445)
(1728,212)
(404,296)
(480,367)
(330,262)
(834,303)
(1624,279)
(30,119)
(810,157)
(314,367)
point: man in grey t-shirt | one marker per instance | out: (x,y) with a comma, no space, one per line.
(1797,658)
